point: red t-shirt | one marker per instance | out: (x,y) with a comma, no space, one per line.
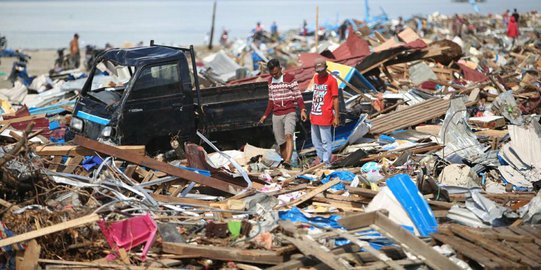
(325,89)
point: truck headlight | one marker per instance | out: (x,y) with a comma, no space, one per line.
(76,124)
(106,131)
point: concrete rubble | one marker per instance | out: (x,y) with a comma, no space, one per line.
(437,166)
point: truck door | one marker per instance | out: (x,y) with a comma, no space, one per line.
(155,107)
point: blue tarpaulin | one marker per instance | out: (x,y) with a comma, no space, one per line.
(342,175)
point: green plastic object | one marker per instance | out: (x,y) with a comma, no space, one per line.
(234,228)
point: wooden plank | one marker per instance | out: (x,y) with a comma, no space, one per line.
(353,199)
(357,221)
(346,206)
(72,163)
(55,163)
(413,244)
(223,253)
(48,230)
(382,265)
(7,204)
(408,35)
(367,193)
(313,193)
(130,169)
(309,247)
(22,119)
(157,165)
(473,252)
(440,204)
(365,245)
(4,128)
(343,252)
(518,247)
(521,231)
(179,200)
(95,265)
(74,150)
(487,122)
(533,248)
(492,133)
(31,257)
(494,246)
(496,196)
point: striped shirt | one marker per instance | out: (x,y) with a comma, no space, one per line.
(283,96)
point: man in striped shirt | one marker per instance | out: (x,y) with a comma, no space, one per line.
(284,98)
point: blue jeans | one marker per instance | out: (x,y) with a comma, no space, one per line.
(322,140)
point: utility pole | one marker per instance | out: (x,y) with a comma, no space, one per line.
(212,26)
(317,27)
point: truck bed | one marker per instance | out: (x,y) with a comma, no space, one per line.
(237,107)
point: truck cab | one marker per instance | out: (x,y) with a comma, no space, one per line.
(141,96)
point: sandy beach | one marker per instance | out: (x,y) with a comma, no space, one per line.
(42,61)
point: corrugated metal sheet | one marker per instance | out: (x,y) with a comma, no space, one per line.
(410,116)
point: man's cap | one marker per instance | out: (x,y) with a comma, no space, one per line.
(320,65)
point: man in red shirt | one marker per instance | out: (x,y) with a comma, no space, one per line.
(284,93)
(325,111)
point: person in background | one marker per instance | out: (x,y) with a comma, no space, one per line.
(399,27)
(505,16)
(512,30)
(304,28)
(457,25)
(274,31)
(224,37)
(342,31)
(516,15)
(284,98)
(258,31)
(325,111)
(74,51)
(258,27)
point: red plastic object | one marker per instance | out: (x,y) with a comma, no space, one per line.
(130,233)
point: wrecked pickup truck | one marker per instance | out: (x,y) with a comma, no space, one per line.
(145,96)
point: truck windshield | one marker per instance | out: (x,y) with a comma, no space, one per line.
(110,76)
(109,82)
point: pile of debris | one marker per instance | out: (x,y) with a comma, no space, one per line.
(438,164)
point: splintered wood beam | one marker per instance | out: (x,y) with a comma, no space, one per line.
(72,163)
(22,119)
(314,192)
(157,165)
(48,230)
(378,254)
(223,253)
(60,264)
(390,229)
(309,247)
(74,150)
(415,245)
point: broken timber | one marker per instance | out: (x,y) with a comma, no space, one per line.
(73,150)
(157,165)
(48,230)
(392,230)
(223,253)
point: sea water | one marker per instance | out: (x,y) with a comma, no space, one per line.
(52,23)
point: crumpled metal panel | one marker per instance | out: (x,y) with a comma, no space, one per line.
(457,136)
